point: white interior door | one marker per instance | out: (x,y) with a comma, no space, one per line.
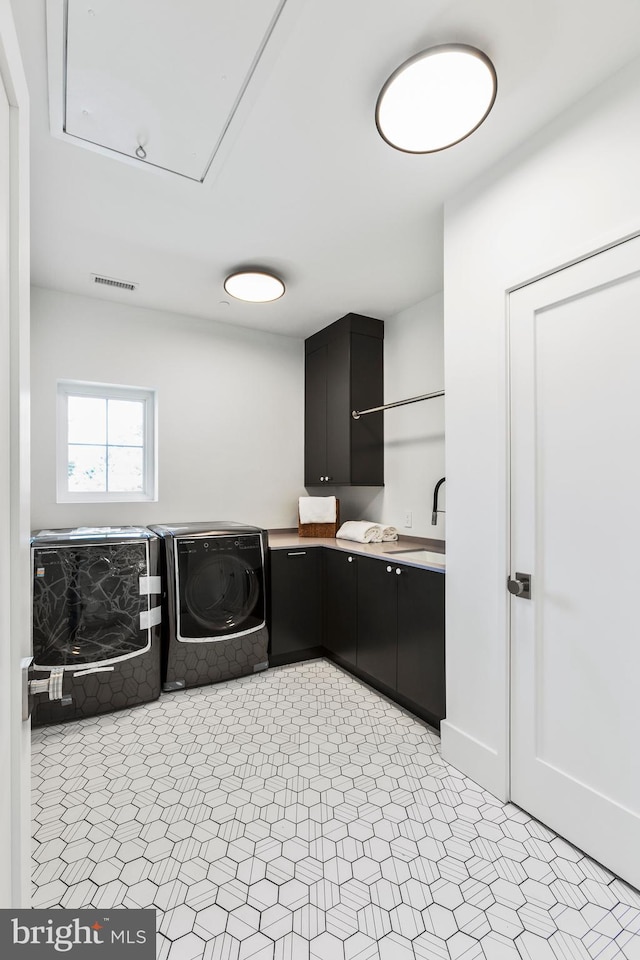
(575,486)
(14,468)
(5,472)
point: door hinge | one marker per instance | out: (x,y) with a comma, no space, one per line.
(31,686)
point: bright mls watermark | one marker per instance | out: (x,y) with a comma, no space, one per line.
(125,934)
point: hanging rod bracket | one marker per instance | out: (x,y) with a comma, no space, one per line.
(356,414)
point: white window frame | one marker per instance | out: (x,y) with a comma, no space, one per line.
(78,388)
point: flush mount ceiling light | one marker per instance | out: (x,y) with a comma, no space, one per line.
(436,98)
(254,286)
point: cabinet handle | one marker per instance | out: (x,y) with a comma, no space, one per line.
(398,571)
(299,553)
(389,569)
(349,559)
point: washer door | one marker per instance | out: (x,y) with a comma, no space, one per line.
(87,603)
(220,587)
(222,593)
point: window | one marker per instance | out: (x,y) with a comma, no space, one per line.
(105,442)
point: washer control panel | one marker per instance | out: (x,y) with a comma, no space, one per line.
(213,544)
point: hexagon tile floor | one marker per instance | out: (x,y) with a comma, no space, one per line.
(298,815)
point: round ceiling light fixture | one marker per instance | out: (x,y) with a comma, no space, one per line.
(436,98)
(254,286)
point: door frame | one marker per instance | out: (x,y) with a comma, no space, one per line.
(15,795)
(510,569)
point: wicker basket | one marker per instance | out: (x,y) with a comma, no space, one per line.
(320,529)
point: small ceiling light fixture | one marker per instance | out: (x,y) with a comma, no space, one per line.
(436,98)
(254,286)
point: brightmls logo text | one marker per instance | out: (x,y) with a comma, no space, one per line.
(28,934)
(61,937)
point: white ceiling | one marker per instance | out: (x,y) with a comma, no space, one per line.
(302,182)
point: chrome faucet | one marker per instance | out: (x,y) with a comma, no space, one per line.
(435,512)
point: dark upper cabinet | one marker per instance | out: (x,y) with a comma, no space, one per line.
(344,372)
(295,629)
(315,416)
(421,677)
(341,620)
(377,620)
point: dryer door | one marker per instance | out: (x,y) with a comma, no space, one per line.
(220,587)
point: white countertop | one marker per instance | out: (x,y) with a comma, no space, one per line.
(419,554)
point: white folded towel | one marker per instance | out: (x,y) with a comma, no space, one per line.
(383,533)
(366,531)
(361,531)
(388,533)
(317,509)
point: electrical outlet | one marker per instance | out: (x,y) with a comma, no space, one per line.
(408,519)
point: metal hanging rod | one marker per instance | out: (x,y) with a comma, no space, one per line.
(356,414)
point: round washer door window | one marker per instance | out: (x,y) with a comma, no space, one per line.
(221,592)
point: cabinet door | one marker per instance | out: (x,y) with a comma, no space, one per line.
(377,620)
(315,417)
(341,623)
(296,603)
(367,434)
(421,640)
(339,418)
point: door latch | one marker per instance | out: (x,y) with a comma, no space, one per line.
(32,685)
(520,586)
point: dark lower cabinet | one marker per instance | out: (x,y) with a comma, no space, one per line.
(400,643)
(421,677)
(384,622)
(341,596)
(295,627)
(377,620)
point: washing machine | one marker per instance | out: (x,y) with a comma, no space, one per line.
(96,620)
(214,621)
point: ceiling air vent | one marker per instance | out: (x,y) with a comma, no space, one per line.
(110,282)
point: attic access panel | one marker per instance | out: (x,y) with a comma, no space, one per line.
(161,75)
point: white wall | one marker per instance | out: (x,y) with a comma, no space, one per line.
(572,189)
(230,410)
(414,435)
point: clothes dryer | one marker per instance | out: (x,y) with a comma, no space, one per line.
(214,626)
(96,619)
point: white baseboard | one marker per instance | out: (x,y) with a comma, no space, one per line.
(476,760)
